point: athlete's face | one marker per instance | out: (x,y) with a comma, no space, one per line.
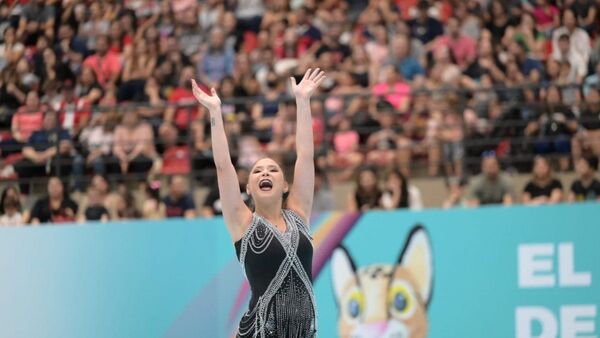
(266,180)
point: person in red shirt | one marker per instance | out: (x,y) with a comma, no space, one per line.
(105,63)
(183,108)
(74,113)
(24,122)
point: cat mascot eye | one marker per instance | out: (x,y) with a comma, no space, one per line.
(355,303)
(401,300)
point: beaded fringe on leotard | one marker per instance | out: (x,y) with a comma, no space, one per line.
(287,308)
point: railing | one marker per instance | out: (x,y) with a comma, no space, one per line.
(510,131)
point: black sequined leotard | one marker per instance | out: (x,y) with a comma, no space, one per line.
(278,267)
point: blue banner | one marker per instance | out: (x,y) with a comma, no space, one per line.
(488,272)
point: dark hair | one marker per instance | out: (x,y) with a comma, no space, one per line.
(5,195)
(363,196)
(153,190)
(564,37)
(403,203)
(592,161)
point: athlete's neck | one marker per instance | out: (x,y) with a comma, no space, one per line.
(271,212)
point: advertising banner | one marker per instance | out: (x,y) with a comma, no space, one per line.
(490,272)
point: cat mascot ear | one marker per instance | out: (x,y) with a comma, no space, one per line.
(417,259)
(343,271)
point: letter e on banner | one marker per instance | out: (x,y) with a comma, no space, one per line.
(536,265)
(578,321)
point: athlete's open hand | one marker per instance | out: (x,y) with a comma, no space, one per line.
(211,102)
(310,82)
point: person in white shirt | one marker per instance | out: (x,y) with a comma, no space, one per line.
(579,38)
(566,53)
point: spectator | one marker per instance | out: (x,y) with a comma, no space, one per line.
(175,151)
(217,62)
(56,207)
(585,11)
(36,16)
(47,151)
(28,118)
(547,16)
(70,49)
(553,128)
(579,38)
(393,89)
(497,21)
(134,144)
(49,69)
(586,187)
(424,27)
(124,207)
(95,210)
(95,26)
(592,81)
(587,138)
(566,54)
(345,152)
(378,48)
(182,109)
(10,207)
(97,142)
(408,66)
(265,111)
(24,122)
(179,202)
(486,63)
(367,193)
(533,38)
(139,65)
(542,188)
(152,206)
(419,136)
(74,113)
(103,194)
(451,135)
(456,193)
(11,50)
(382,144)
(491,186)
(212,205)
(398,193)
(88,88)
(105,63)
(463,48)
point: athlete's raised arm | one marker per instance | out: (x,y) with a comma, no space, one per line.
(302,191)
(236,213)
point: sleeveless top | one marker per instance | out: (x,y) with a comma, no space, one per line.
(279,269)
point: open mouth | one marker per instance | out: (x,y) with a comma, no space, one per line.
(265,185)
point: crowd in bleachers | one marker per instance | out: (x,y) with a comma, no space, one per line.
(95,91)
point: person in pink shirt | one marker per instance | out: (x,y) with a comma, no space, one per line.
(463,47)
(105,63)
(394,90)
(546,15)
(346,153)
(134,144)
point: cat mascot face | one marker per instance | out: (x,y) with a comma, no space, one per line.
(385,300)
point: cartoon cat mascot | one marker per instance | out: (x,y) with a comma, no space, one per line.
(385,300)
